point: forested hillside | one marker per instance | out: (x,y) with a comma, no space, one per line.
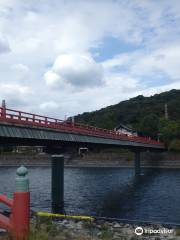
(145,114)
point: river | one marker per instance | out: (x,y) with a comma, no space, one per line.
(109,192)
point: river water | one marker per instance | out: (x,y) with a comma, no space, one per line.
(109,192)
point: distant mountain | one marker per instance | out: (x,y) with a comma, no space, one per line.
(131,112)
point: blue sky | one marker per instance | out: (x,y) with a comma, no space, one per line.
(66,57)
(110,47)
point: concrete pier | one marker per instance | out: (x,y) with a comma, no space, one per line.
(57,184)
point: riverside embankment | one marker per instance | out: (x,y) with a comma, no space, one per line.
(101,159)
(47,229)
(102,230)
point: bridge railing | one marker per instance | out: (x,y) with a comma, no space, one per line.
(23,118)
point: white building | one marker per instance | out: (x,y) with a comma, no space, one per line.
(121,128)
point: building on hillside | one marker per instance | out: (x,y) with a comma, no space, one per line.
(121,128)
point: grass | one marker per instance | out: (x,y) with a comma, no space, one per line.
(46,229)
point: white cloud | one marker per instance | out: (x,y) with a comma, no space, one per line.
(79,71)
(51,78)
(47,64)
(4,45)
(10,88)
(49,106)
(141,64)
(165,59)
(21,71)
(17,95)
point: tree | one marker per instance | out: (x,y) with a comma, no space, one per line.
(149,126)
(175,145)
(168,131)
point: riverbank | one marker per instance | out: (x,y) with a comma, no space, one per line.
(47,229)
(102,159)
(99,230)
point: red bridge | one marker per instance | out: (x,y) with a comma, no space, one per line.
(10,116)
(21,128)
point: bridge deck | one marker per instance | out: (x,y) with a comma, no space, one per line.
(28,120)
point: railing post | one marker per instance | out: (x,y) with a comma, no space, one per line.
(21,205)
(57,183)
(45,120)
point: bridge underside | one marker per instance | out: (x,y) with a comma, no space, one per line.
(35,136)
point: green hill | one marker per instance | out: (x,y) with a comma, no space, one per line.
(132,111)
(139,112)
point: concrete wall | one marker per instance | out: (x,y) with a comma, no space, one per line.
(164,160)
(28,160)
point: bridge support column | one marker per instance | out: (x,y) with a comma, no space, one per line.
(137,163)
(57,183)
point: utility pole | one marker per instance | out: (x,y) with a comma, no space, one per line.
(3,104)
(3,109)
(166,111)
